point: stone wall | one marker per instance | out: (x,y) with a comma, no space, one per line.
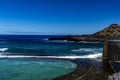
(112,50)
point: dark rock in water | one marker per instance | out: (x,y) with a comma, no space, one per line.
(56,38)
(111,32)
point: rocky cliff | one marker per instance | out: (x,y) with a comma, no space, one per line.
(112,31)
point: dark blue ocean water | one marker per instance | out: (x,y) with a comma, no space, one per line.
(40,46)
(14,49)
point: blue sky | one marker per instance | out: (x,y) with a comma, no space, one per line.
(57,16)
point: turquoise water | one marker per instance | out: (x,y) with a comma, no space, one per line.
(34,69)
(32,57)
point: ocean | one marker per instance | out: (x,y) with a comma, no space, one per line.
(34,57)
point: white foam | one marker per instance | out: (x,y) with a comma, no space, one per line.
(83,49)
(60,57)
(3,49)
(46,39)
(88,42)
(60,41)
(88,50)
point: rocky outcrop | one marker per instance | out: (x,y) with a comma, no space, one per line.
(111,32)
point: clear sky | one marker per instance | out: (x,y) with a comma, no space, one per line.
(57,16)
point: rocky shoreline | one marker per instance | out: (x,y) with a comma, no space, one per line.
(78,38)
(88,69)
(93,71)
(111,32)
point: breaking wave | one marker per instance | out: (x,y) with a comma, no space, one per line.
(82,49)
(60,57)
(3,49)
(88,50)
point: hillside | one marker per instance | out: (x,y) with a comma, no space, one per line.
(110,32)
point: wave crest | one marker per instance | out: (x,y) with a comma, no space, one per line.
(3,49)
(87,50)
(60,57)
(82,49)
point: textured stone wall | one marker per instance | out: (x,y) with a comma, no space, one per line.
(113,54)
(113,50)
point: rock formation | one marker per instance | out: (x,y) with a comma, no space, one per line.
(110,32)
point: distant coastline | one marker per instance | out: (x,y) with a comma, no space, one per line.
(111,32)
